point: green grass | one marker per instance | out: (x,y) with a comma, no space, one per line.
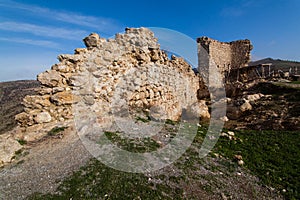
(54,131)
(291,85)
(274,156)
(295,82)
(141,119)
(97,181)
(133,145)
(19,152)
(171,122)
(22,142)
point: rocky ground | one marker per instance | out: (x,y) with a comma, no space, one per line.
(43,166)
(266,106)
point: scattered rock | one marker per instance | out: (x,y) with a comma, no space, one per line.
(254,97)
(246,106)
(240,162)
(8,148)
(224,119)
(43,117)
(231,133)
(238,157)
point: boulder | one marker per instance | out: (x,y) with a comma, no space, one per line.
(8,148)
(93,40)
(203,110)
(197,110)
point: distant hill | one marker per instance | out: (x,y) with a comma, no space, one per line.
(11,96)
(275,62)
(279,65)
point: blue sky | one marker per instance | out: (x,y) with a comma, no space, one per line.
(34,32)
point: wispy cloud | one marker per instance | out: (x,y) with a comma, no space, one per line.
(42,43)
(272,43)
(240,8)
(232,12)
(45,31)
(104,25)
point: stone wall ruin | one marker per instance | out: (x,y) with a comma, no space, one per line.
(129,72)
(107,76)
(226,55)
(128,76)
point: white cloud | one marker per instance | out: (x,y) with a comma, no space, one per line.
(46,31)
(42,43)
(104,25)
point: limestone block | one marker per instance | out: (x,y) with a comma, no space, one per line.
(151,94)
(43,117)
(44,91)
(34,132)
(61,68)
(36,101)
(50,78)
(57,89)
(62,98)
(69,57)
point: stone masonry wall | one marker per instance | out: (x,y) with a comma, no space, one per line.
(227,55)
(110,75)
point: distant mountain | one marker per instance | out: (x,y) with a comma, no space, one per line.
(276,62)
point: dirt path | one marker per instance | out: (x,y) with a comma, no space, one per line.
(46,165)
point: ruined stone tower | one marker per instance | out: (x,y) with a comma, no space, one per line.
(225,55)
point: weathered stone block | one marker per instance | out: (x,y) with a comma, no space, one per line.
(62,98)
(43,117)
(50,78)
